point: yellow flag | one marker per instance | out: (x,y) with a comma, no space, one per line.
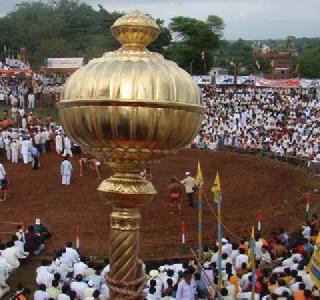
(314,265)
(216,188)
(232,63)
(199,177)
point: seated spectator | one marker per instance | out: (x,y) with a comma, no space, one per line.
(33,244)
(41,230)
(40,293)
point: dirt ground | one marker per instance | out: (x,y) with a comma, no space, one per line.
(249,183)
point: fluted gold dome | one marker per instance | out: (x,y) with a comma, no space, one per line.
(131,105)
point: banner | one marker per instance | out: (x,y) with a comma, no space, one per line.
(278,83)
(16,72)
(202,79)
(16,63)
(308,83)
(225,79)
(246,80)
(65,63)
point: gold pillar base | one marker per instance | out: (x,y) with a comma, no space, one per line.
(126,192)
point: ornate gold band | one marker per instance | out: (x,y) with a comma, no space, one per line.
(123,219)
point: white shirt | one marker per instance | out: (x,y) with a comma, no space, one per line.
(41,295)
(78,287)
(2,172)
(44,276)
(79,268)
(63,297)
(186,291)
(240,259)
(72,254)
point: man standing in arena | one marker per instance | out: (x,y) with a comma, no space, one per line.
(189,184)
(66,171)
(175,194)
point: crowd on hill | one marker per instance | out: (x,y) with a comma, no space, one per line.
(23,244)
(281,121)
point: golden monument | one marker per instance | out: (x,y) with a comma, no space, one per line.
(129,108)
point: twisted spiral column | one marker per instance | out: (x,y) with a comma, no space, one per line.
(126,192)
(124,245)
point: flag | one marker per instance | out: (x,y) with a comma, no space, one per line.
(314,265)
(199,178)
(216,188)
(5,49)
(232,63)
(258,65)
(203,55)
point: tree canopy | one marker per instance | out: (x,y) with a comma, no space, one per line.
(64,28)
(194,42)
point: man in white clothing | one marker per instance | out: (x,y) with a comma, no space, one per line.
(78,286)
(71,253)
(67,147)
(25,150)
(66,171)
(189,184)
(59,143)
(31,101)
(41,293)
(187,289)
(14,147)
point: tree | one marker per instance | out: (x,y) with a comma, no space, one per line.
(64,28)
(242,53)
(194,43)
(216,24)
(309,62)
(163,40)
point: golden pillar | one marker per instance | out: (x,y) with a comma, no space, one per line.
(129,108)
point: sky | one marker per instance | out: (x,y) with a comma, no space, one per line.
(247,19)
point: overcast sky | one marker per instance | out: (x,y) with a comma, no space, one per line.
(248,19)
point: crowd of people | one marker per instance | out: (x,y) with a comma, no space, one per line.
(71,276)
(280,264)
(277,120)
(23,244)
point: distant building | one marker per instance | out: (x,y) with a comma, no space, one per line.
(280,63)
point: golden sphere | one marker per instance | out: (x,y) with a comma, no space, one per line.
(131,106)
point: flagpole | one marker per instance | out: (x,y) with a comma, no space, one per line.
(200,221)
(199,183)
(253,265)
(219,196)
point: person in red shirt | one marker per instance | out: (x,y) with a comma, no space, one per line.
(174,196)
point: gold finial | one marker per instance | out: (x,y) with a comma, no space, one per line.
(135,30)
